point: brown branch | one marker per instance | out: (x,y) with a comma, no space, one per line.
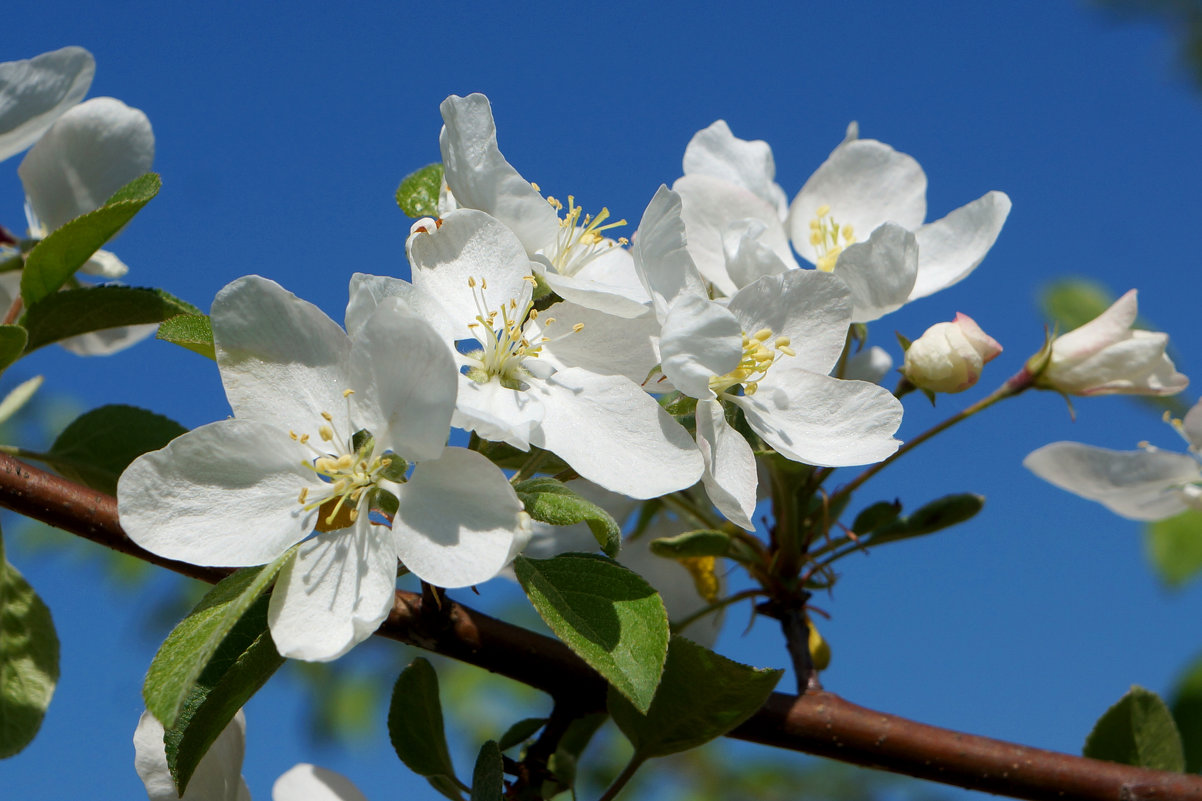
(816,723)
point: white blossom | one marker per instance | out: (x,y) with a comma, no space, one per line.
(949,357)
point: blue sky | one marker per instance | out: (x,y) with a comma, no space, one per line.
(281,136)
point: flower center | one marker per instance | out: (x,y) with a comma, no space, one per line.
(580,237)
(829,238)
(760,351)
(501,333)
(348,473)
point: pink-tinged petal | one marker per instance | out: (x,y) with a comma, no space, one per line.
(661,257)
(812,309)
(606,344)
(700,339)
(865,183)
(305,782)
(730,476)
(225,494)
(718,153)
(281,358)
(405,382)
(89,153)
(481,178)
(470,546)
(1107,328)
(1140,485)
(710,206)
(1134,366)
(614,434)
(498,413)
(879,272)
(37,91)
(335,593)
(951,248)
(218,777)
(823,421)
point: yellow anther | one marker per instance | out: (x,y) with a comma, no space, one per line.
(346,393)
(471,282)
(535,186)
(304,494)
(329,418)
(823,210)
(763,334)
(578,327)
(326,433)
(782,342)
(785,349)
(531,279)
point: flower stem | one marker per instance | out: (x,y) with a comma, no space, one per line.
(627,773)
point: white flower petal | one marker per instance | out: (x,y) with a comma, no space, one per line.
(730,475)
(660,253)
(105,264)
(747,258)
(718,153)
(281,358)
(305,782)
(700,340)
(608,283)
(1140,485)
(606,344)
(951,248)
(1108,327)
(879,272)
(865,183)
(1192,426)
(823,421)
(481,178)
(223,494)
(335,593)
(367,291)
(615,435)
(870,365)
(108,341)
(37,91)
(218,777)
(89,153)
(498,413)
(459,520)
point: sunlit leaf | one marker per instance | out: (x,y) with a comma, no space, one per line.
(1138,730)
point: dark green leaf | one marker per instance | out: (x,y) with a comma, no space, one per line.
(935,516)
(1175,547)
(1186,706)
(551,501)
(418,193)
(606,613)
(80,311)
(702,696)
(520,732)
(881,513)
(28,660)
(188,649)
(241,665)
(704,542)
(488,779)
(56,258)
(415,725)
(98,445)
(12,344)
(1138,730)
(191,331)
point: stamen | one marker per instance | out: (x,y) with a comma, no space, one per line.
(829,238)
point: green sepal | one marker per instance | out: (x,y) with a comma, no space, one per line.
(28,660)
(98,445)
(1138,730)
(418,193)
(679,404)
(184,655)
(385,502)
(13,339)
(191,331)
(396,470)
(905,343)
(703,542)
(520,732)
(550,501)
(241,665)
(80,311)
(55,259)
(416,730)
(606,613)
(874,516)
(702,696)
(939,514)
(488,778)
(1174,546)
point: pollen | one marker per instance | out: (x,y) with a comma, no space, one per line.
(829,238)
(581,237)
(758,356)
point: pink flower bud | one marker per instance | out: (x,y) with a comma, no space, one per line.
(949,356)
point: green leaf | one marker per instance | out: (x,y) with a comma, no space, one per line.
(1174,546)
(415,726)
(520,732)
(704,542)
(1186,706)
(80,311)
(1070,303)
(418,193)
(28,660)
(191,331)
(872,517)
(550,501)
(12,344)
(245,660)
(186,652)
(56,258)
(488,779)
(702,696)
(937,515)
(606,613)
(98,445)
(1138,730)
